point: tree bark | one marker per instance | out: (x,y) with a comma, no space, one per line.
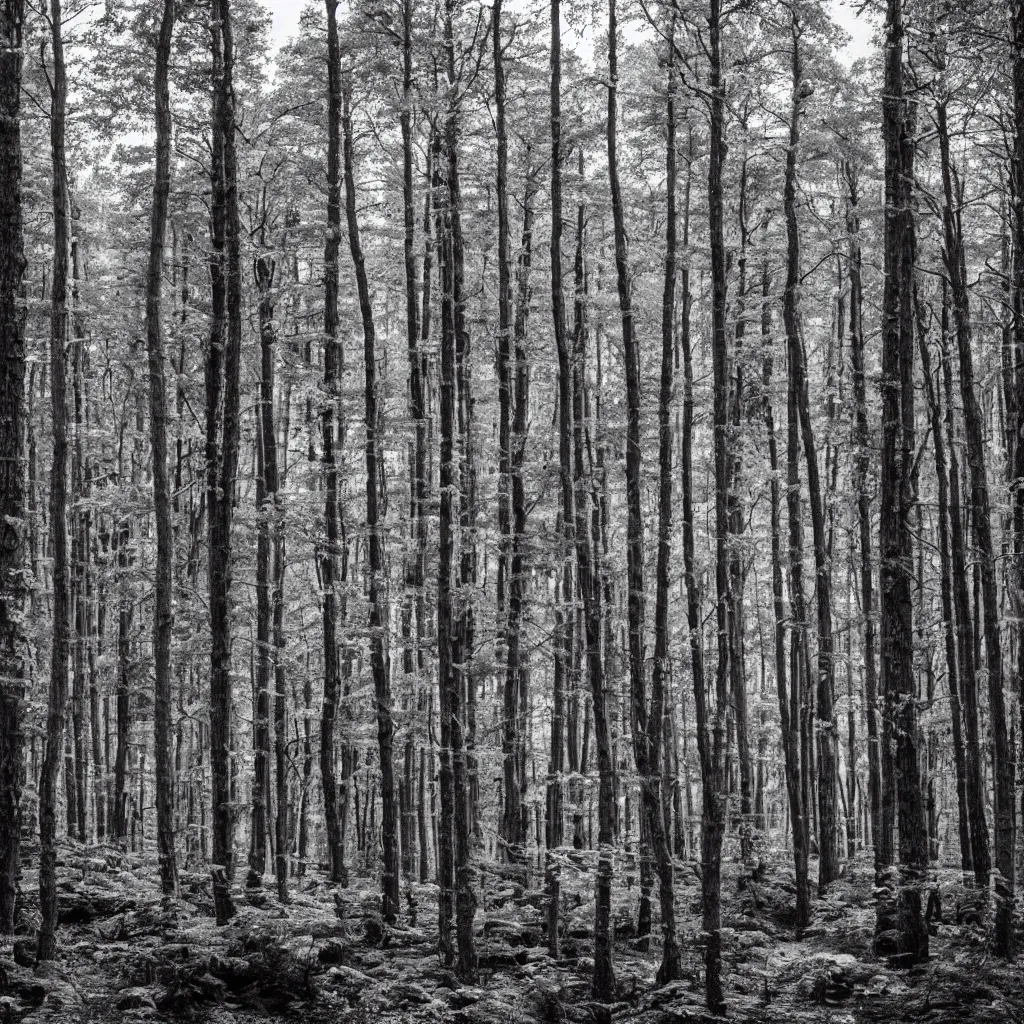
(13,589)
(861,466)
(827,759)
(513,399)
(452,652)
(788,693)
(332,373)
(379,660)
(222,439)
(897,499)
(647,723)
(46,945)
(946,598)
(1002,752)
(163,613)
(711,721)
(563,640)
(1015,410)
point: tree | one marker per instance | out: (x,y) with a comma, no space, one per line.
(332,370)
(163,615)
(451,626)
(827,758)
(222,440)
(897,498)
(12,469)
(647,722)
(375,544)
(711,730)
(46,944)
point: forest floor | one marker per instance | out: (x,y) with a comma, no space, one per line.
(325,957)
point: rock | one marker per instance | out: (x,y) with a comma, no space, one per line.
(876,985)
(8,1009)
(61,996)
(84,904)
(349,976)
(25,953)
(402,994)
(515,933)
(463,997)
(30,992)
(211,987)
(236,972)
(811,986)
(175,951)
(673,992)
(135,998)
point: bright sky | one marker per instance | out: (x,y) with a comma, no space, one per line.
(286,18)
(286,22)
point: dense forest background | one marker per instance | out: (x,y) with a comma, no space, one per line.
(533,492)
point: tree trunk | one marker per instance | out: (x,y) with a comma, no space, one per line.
(513,399)
(264,661)
(332,373)
(827,759)
(711,722)
(861,465)
(13,589)
(46,947)
(222,438)
(163,614)
(647,724)
(1015,409)
(563,640)
(897,499)
(452,653)
(949,624)
(1002,751)
(379,661)
(789,695)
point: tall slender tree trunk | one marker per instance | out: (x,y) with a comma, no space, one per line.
(13,589)
(980,856)
(452,664)
(1002,750)
(46,946)
(594,593)
(711,721)
(222,379)
(1015,378)
(513,385)
(897,499)
(444,829)
(563,642)
(788,693)
(946,598)
(263,669)
(419,482)
(655,782)
(827,752)
(332,374)
(861,465)
(379,660)
(163,614)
